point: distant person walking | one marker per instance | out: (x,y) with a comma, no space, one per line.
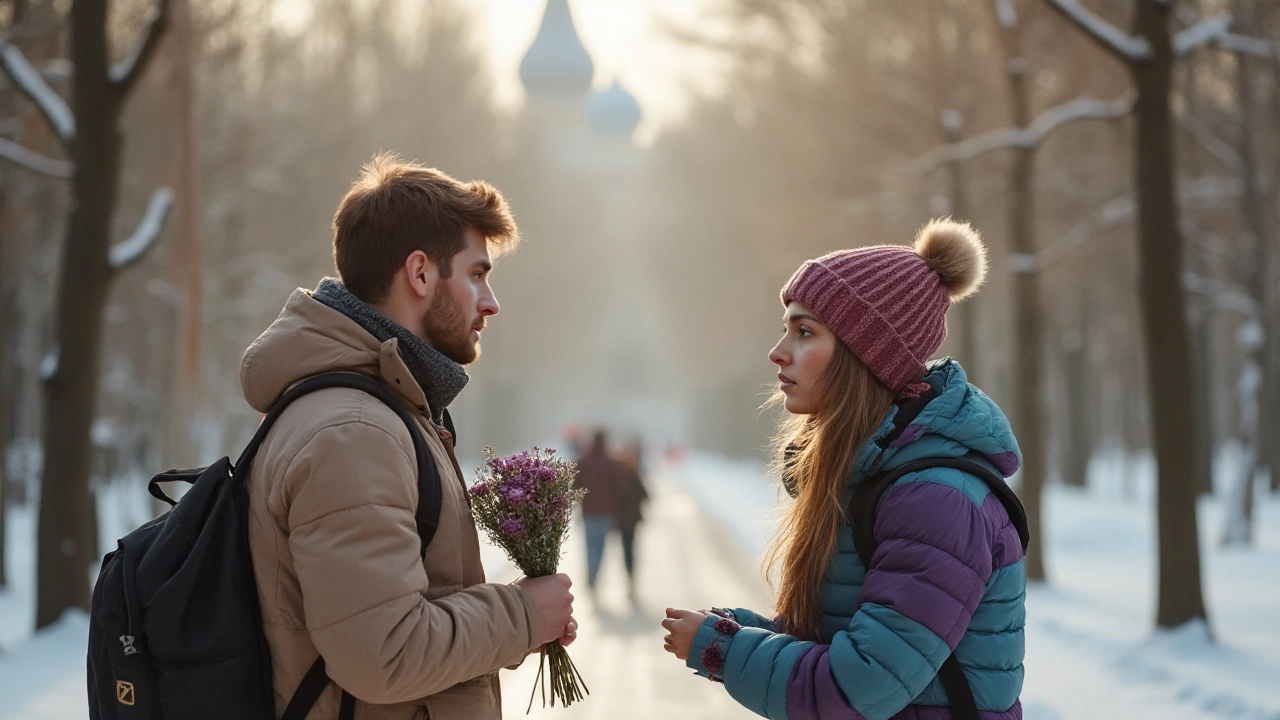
(631,499)
(603,477)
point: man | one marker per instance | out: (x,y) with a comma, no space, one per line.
(603,477)
(333,490)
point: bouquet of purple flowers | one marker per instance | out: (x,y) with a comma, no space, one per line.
(524,502)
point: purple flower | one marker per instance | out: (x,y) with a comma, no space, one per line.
(512,528)
(727,627)
(713,658)
(514,492)
(479,489)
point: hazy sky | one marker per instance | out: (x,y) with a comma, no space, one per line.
(626,39)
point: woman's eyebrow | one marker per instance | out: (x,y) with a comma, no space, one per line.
(799,318)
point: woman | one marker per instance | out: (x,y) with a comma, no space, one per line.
(857,642)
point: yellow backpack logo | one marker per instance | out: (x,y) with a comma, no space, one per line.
(124,692)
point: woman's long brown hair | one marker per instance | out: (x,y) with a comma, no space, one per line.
(854,404)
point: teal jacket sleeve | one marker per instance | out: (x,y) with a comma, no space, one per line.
(754,663)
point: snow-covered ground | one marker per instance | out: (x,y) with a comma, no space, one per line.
(1091,650)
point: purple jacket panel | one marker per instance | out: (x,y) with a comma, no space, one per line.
(937,550)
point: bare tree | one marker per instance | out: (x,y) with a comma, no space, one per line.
(89,131)
(186,260)
(1026,262)
(1149,52)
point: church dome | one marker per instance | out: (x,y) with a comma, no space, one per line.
(615,111)
(557,64)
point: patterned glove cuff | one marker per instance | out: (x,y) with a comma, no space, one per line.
(711,646)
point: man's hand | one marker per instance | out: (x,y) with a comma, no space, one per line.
(681,627)
(551,596)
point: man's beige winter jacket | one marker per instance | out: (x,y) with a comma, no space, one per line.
(332,495)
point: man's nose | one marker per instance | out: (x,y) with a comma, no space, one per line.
(488,305)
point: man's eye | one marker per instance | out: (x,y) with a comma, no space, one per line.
(804,332)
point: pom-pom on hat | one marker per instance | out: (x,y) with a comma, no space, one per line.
(888,303)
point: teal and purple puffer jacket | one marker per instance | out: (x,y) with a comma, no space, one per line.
(946,578)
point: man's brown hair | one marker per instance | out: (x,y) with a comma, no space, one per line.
(396,208)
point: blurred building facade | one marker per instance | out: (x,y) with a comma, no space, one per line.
(579,340)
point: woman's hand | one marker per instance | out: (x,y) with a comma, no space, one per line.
(681,627)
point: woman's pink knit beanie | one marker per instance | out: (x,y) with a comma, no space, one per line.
(888,303)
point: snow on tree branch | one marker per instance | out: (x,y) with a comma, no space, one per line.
(1202,33)
(1080,109)
(144,238)
(15,153)
(1028,137)
(1246,45)
(1219,149)
(1221,295)
(124,75)
(1005,14)
(49,364)
(1129,48)
(28,80)
(1113,213)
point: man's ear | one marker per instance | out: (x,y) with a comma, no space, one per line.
(422,274)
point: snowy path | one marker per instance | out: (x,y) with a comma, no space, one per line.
(684,560)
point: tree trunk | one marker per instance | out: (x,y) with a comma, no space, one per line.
(1079,440)
(1265,14)
(1200,328)
(1028,320)
(6,411)
(186,266)
(67,542)
(1255,337)
(966,312)
(1167,342)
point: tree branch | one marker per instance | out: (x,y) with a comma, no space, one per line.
(1201,34)
(28,80)
(1029,137)
(1080,109)
(1110,214)
(1112,39)
(50,167)
(124,74)
(1246,45)
(144,238)
(1220,150)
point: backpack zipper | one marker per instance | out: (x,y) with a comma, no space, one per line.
(127,640)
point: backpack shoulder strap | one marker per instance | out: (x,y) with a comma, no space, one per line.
(448,425)
(862,517)
(868,493)
(427,515)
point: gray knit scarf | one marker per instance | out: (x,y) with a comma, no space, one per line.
(441,378)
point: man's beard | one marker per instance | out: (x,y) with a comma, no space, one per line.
(446,329)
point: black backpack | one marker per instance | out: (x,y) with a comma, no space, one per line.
(862,517)
(175,630)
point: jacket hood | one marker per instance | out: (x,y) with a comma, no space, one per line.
(310,338)
(957,420)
